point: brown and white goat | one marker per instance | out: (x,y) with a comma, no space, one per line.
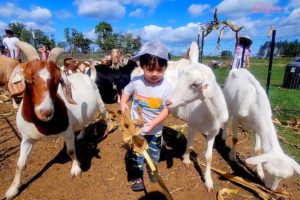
(118,60)
(48,107)
(72,65)
(7,66)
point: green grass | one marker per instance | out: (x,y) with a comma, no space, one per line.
(290,138)
(284,102)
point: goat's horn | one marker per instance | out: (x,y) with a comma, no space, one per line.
(54,54)
(29,51)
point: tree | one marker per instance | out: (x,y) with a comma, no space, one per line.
(283,48)
(264,50)
(129,44)
(68,37)
(226,54)
(26,36)
(62,45)
(81,43)
(17,28)
(42,38)
(105,39)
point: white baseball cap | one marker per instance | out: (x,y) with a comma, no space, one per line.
(155,48)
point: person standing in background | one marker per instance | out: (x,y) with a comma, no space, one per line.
(44,52)
(10,44)
(242,52)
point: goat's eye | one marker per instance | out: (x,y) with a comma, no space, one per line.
(196,85)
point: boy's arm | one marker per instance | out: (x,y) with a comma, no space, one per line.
(160,117)
(124,100)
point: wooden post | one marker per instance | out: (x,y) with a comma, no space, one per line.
(202,44)
(270,61)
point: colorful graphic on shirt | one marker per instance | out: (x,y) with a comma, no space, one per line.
(154,103)
(149,103)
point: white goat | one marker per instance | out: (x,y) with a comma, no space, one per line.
(249,106)
(49,109)
(198,100)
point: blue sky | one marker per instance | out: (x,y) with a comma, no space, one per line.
(168,20)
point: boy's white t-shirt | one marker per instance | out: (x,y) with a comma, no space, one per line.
(10,43)
(150,97)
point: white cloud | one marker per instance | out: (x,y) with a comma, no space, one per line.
(168,34)
(36,18)
(63,14)
(40,15)
(197,9)
(91,35)
(2,27)
(113,9)
(238,8)
(44,27)
(10,10)
(289,26)
(100,9)
(294,3)
(146,3)
(136,13)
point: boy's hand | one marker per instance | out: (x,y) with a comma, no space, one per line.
(148,127)
(123,107)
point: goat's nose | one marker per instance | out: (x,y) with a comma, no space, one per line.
(46,112)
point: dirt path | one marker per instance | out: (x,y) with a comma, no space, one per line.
(47,175)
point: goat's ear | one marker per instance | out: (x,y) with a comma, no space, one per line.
(206,90)
(16,84)
(194,53)
(257,159)
(67,88)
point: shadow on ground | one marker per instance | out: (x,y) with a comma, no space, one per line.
(86,150)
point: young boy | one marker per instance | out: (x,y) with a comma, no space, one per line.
(150,92)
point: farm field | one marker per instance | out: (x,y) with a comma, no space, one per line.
(102,157)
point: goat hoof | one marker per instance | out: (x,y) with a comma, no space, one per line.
(187,162)
(11,193)
(209,185)
(260,173)
(75,171)
(232,157)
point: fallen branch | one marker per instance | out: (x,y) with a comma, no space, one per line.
(260,191)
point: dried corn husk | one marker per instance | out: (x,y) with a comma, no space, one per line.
(226,191)
(257,189)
